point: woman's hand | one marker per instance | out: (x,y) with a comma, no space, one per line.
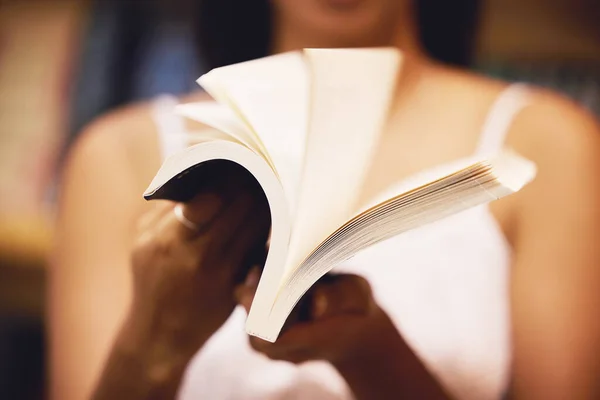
(339,321)
(335,318)
(185,267)
(184,276)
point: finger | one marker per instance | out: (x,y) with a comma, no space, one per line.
(150,218)
(275,351)
(344,294)
(249,242)
(316,338)
(258,253)
(254,256)
(244,294)
(333,296)
(336,300)
(173,234)
(201,211)
(227,224)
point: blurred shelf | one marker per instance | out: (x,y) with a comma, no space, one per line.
(25,242)
(565,30)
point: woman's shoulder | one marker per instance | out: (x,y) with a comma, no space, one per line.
(121,142)
(563,140)
(546,122)
(560,136)
(555,131)
(128,137)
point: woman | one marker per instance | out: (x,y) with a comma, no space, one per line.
(444,318)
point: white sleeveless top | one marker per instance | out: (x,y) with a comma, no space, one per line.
(444,285)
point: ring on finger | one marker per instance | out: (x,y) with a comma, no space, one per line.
(180,216)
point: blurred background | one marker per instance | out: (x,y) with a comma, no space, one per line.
(64,62)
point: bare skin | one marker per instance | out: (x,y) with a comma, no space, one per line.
(555,276)
(552,226)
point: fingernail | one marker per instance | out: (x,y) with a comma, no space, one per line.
(319,305)
(204,207)
(269,238)
(252,278)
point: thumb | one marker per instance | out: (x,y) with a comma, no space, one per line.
(343,294)
(244,294)
(203,208)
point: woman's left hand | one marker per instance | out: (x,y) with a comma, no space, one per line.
(340,314)
(339,321)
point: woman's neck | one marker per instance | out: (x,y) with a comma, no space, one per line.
(416,65)
(402,34)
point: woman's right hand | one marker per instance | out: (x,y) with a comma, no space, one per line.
(184,277)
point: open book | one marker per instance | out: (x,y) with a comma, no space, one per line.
(306,125)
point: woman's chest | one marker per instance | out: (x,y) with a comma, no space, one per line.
(444,286)
(407,148)
(403,156)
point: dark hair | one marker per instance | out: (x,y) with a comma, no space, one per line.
(230,31)
(448,29)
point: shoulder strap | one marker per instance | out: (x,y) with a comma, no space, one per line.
(172,134)
(501,116)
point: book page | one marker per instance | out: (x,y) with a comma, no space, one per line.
(224,120)
(271,96)
(442,196)
(351,91)
(227,126)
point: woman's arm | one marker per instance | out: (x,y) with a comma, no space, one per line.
(133,299)
(555,290)
(343,325)
(90,282)
(144,363)
(385,367)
